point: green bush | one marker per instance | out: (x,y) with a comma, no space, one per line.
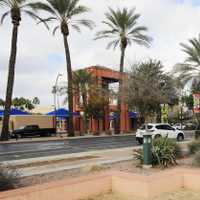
(164,152)
(197,158)
(194,146)
(9,178)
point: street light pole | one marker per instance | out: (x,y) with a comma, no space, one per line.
(55,93)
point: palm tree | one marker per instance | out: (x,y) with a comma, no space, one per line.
(81,81)
(15,9)
(123,30)
(190,69)
(63,12)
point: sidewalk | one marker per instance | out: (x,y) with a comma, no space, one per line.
(74,161)
(84,160)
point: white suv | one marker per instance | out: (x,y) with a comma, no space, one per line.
(160,130)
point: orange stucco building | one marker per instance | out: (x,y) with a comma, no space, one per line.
(103,77)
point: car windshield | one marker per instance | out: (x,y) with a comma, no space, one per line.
(21,127)
(148,126)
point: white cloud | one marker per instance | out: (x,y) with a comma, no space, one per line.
(41,56)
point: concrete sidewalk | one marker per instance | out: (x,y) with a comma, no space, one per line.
(74,161)
(98,158)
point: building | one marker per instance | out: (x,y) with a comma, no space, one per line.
(104,77)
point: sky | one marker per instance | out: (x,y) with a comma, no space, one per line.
(41,56)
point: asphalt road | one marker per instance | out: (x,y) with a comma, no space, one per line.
(18,151)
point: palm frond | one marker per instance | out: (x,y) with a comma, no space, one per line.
(77,11)
(113,44)
(36,17)
(41,6)
(122,23)
(4,16)
(85,22)
(55,29)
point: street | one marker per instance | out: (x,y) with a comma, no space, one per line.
(18,151)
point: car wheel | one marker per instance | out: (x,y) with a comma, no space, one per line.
(157,136)
(180,137)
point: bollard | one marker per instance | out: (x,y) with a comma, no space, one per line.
(147,154)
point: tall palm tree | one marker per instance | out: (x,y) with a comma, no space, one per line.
(15,9)
(190,69)
(63,13)
(82,81)
(123,30)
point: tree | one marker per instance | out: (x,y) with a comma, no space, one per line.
(63,12)
(2,103)
(25,104)
(190,69)
(97,102)
(81,83)
(15,9)
(123,30)
(148,87)
(36,101)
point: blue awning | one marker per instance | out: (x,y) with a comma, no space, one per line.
(132,115)
(62,113)
(113,116)
(15,111)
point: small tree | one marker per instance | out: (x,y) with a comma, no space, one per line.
(148,87)
(81,83)
(98,102)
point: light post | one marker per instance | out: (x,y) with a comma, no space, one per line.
(147,150)
(55,93)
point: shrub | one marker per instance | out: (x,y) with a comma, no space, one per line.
(197,158)
(194,146)
(164,152)
(9,178)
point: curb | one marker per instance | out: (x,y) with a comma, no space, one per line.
(54,139)
(76,167)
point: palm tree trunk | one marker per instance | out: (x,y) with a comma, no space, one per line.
(10,83)
(70,87)
(119,102)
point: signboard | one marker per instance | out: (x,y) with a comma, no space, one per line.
(196,99)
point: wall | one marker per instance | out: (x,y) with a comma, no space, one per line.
(137,185)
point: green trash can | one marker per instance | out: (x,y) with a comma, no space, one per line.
(147,153)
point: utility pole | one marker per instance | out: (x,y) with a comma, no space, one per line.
(55,94)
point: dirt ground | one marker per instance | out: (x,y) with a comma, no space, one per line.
(179,195)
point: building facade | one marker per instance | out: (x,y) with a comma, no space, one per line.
(103,78)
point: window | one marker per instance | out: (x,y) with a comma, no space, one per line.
(148,127)
(164,127)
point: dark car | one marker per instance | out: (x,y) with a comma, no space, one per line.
(32,130)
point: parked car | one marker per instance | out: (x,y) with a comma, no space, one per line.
(159,130)
(32,130)
(179,126)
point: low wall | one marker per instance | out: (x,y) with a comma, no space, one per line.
(63,190)
(141,186)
